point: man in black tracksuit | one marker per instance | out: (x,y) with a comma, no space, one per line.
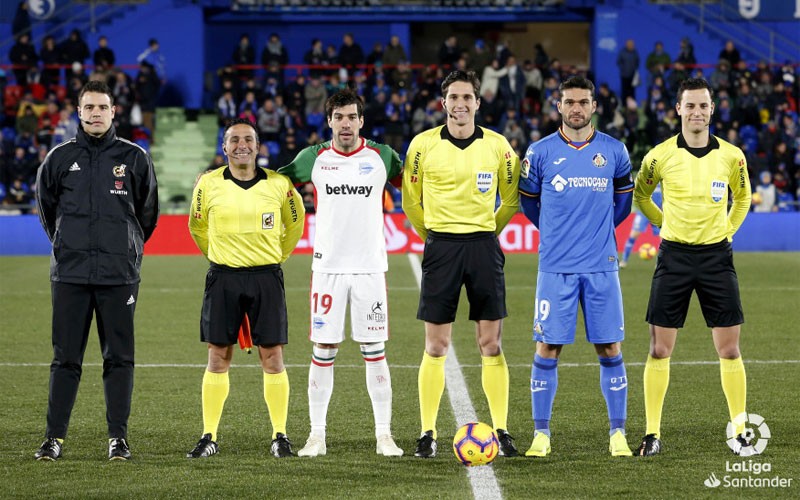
(98,202)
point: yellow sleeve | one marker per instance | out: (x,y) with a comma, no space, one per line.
(646,181)
(739,183)
(508,188)
(293,214)
(198,216)
(412,188)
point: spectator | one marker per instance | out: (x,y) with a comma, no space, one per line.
(350,53)
(153,56)
(67,127)
(402,77)
(628,64)
(784,200)
(244,55)
(23,56)
(28,121)
(428,117)
(657,61)
(20,167)
(249,103)
(269,122)
(449,51)
(479,57)
(226,108)
(534,82)
(394,52)
(540,57)
(686,53)
(74,50)
(147,87)
(720,78)
(275,52)
(512,85)
(104,58)
(51,58)
(607,105)
(315,95)
(765,195)
(376,56)
(315,56)
(21,24)
(19,194)
(490,80)
(730,53)
(490,110)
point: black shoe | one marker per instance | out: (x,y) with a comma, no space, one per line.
(118,449)
(507,448)
(741,447)
(650,446)
(426,446)
(50,450)
(204,448)
(281,446)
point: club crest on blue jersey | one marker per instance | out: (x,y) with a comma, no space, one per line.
(483,181)
(718,190)
(364,168)
(599,161)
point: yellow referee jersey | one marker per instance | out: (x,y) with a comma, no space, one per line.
(239,227)
(450,185)
(695,190)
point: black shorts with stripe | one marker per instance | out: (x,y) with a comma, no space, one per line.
(451,260)
(706,269)
(233,292)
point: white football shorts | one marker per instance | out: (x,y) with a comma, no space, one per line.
(369,311)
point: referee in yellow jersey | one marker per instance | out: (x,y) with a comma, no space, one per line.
(452,179)
(246,220)
(696,170)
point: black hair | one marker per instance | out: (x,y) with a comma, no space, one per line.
(97,86)
(577,82)
(239,121)
(462,76)
(694,84)
(344,98)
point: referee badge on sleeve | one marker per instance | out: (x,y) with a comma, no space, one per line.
(268,220)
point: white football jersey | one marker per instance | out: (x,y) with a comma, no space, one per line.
(349,187)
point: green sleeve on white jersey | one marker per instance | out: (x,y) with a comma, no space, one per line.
(299,170)
(391,160)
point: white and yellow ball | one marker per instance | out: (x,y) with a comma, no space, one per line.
(647,251)
(475,443)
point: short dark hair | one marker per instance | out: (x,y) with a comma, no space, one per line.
(239,121)
(97,86)
(344,98)
(694,84)
(462,76)
(577,82)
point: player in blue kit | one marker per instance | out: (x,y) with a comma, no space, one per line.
(638,227)
(576,187)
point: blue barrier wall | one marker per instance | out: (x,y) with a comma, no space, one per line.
(778,232)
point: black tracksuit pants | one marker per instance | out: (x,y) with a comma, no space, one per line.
(73,307)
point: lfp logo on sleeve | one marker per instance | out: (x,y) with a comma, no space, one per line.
(483,181)
(718,190)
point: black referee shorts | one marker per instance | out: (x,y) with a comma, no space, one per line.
(707,269)
(232,292)
(451,260)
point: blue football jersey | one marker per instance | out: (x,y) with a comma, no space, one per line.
(576,185)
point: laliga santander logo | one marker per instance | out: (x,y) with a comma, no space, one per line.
(756,433)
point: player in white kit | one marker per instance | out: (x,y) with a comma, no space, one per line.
(349,265)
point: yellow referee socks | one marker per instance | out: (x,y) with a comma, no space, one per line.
(494,376)
(215,392)
(431,387)
(656,381)
(276,394)
(734,385)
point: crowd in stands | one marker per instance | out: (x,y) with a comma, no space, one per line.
(756,105)
(39,103)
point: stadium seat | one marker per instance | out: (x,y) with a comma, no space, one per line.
(11,96)
(274,149)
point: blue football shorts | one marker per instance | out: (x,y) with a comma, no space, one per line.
(556,308)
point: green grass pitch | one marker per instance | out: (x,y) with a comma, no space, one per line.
(166,419)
